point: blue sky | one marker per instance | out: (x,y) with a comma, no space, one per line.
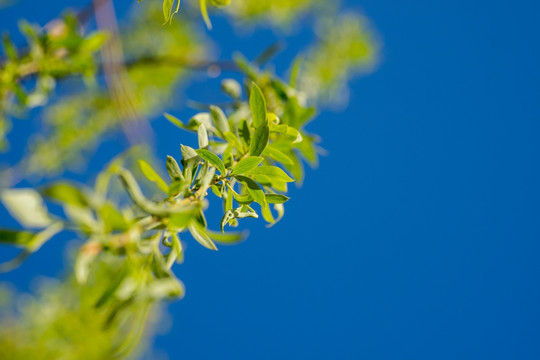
(418,235)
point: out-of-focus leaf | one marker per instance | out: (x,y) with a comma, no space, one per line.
(26,206)
(17,238)
(204,13)
(232,88)
(67,193)
(153,176)
(226,238)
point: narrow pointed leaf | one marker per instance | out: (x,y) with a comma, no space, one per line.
(258,106)
(153,176)
(259,140)
(212,159)
(254,189)
(273,172)
(246,165)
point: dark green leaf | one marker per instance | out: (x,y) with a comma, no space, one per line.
(16,237)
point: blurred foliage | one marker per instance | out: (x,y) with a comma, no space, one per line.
(67,320)
(352,47)
(56,51)
(155,55)
(133,222)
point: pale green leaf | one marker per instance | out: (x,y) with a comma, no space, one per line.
(202,136)
(153,176)
(202,238)
(66,193)
(220,119)
(26,206)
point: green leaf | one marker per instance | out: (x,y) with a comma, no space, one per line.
(202,238)
(32,246)
(233,140)
(236,214)
(181,220)
(162,288)
(188,154)
(258,107)
(66,193)
(226,238)
(173,169)
(175,121)
(272,172)
(202,136)
(26,206)
(267,214)
(153,176)
(204,13)
(212,159)
(246,165)
(167,9)
(244,199)
(232,88)
(244,132)
(295,134)
(259,140)
(276,198)
(277,155)
(16,237)
(220,119)
(112,218)
(253,189)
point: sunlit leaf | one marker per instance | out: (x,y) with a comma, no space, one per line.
(153,176)
(212,159)
(246,165)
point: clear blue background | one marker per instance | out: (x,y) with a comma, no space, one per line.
(425,244)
